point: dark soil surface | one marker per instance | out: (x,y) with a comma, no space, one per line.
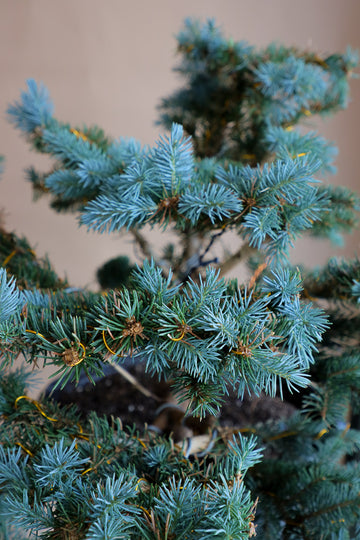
(114,396)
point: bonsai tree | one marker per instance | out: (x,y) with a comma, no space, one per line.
(232,161)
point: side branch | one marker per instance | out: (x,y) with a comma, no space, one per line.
(141,242)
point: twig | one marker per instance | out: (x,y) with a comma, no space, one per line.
(132,380)
(212,240)
(256,274)
(142,242)
(236,257)
(201,258)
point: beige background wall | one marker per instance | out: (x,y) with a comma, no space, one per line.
(109,63)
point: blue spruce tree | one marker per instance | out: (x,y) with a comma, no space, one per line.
(232,160)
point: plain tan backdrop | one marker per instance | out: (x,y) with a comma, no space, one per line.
(110,62)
